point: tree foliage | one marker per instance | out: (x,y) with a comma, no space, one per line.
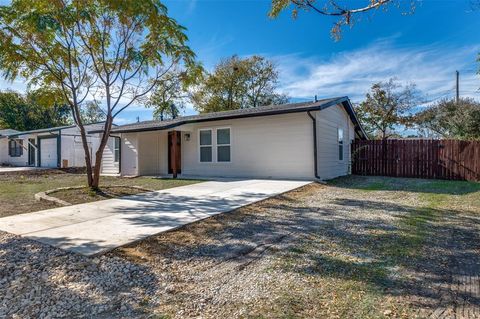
(114,52)
(238,83)
(41,108)
(345,12)
(449,119)
(171,94)
(91,112)
(387,105)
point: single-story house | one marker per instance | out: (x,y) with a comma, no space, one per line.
(50,147)
(309,140)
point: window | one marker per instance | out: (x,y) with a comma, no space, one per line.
(206,146)
(340,144)
(116,149)
(223,145)
(15,148)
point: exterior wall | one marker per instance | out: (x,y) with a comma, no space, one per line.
(14,161)
(129,154)
(328,122)
(109,166)
(72,151)
(72,147)
(3,150)
(279,146)
(153,150)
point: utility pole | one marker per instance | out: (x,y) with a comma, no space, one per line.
(457,87)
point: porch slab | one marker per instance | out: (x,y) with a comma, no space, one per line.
(94,228)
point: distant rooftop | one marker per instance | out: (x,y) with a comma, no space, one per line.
(8,131)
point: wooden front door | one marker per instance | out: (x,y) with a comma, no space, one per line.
(174,153)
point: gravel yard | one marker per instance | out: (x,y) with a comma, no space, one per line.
(362,247)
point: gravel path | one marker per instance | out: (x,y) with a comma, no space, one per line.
(352,249)
(38,281)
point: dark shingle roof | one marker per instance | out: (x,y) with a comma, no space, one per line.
(241,113)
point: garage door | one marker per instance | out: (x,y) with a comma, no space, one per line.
(48,152)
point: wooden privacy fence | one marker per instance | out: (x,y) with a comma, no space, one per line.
(422,158)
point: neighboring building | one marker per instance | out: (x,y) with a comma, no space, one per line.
(51,147)
(295,141)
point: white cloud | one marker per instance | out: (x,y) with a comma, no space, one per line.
(352,73)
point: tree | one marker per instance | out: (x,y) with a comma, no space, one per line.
(169,97)
(14,111)
(49,107)
(115,52)
(91,112)
(387,105)
(238,83)
(345,14)
(449,119)
(37,109)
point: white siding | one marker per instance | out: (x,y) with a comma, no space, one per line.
(279,146)
(129,158)
(72,146)
(15,161)
(152,147)
(73,152)
(108,160)
(328,122)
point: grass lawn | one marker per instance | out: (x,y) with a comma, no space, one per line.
(359,247)
(17,190)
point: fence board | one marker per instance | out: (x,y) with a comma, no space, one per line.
(422,158)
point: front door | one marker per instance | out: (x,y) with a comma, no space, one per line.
(31,152)
(174,153)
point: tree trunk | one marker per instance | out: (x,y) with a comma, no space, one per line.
(88,159)
(99,154)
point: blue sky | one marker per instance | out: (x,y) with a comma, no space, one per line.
(425,47)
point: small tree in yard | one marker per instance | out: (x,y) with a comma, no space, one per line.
(113,52)
(387,105)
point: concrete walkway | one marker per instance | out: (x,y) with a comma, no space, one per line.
(97,227)
(12,169)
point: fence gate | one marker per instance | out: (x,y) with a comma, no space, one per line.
(420,158)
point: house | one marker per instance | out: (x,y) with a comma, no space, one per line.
(50,147)
(308,140)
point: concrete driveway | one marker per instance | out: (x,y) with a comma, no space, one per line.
(97,227)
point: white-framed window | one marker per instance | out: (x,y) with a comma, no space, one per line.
(223,145)
(340,144)
(206,145)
